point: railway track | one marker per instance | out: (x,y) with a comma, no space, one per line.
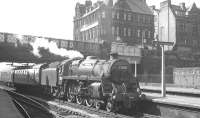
(28,107)
(31,105)
(63,107)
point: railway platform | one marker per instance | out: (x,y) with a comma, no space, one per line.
(186,99)
(7,107)
(171,106)
(172,89)
(180,101)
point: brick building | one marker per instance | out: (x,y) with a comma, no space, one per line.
(127,21)
(181,23)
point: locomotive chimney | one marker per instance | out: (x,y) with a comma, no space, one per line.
(113,55)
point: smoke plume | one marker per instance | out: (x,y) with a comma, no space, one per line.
(53,48)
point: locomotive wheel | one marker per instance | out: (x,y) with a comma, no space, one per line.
(89,102)
(98,105)
(109,106)
(70,98)
(79,100)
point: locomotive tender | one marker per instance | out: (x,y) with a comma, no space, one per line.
(90,81)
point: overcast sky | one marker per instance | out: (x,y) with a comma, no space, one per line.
(52,18)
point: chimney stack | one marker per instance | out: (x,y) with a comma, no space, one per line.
(88,3)
(165,3)
(182,5)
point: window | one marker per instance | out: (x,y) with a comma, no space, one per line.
(83,36)
(129,31)
(103,14)
(143,18)
(94,17)
(133,31)
(117,15)
(129,17)
(89,34)
(86,35)
(71,45)
(144,34)
(149,34)
(124,31)
(113,15)
(96,32)
(138,33)
(93,29)
(149,18)
(124,16)
(117,31)
(113,30)
(138,18)
(155,19)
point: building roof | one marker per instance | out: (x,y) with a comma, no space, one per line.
(184,10)
(176,8)
(193,7)
(139,6)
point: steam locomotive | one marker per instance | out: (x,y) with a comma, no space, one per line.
(107,84)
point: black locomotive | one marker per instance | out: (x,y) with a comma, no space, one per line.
(91,81)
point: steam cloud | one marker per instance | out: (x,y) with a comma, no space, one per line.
(52,47)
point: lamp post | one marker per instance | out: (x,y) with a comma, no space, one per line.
(163,83)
